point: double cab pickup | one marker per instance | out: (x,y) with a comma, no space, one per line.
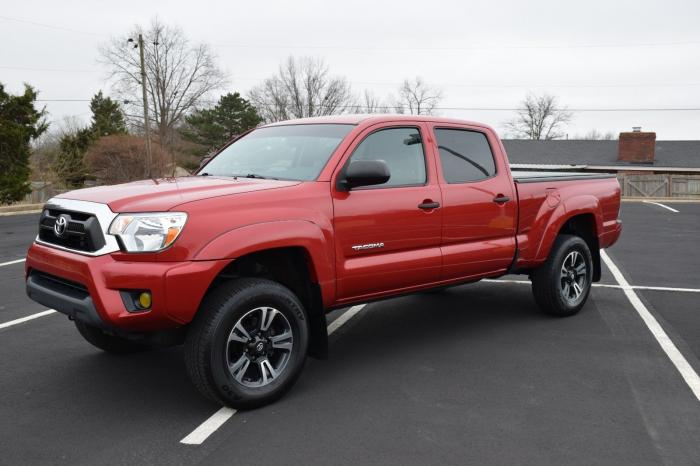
(241,261)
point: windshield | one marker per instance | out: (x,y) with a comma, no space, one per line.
(292,152)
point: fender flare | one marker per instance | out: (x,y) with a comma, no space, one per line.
(257,237)
(585,204)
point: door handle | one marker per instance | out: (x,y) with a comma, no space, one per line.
(501,199)
(429,205)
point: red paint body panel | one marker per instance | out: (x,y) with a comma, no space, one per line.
(177,287)
(546,206)
(466,238)
(478,235)
(167,193)
(410,255)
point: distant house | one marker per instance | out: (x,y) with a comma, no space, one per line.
(645,167)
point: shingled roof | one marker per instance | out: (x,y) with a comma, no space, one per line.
(674,154)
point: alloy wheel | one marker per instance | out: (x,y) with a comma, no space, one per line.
(259,347)
(573,277)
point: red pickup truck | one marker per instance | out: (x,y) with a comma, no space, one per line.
(243,260)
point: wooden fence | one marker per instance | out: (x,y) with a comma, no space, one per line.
(661,185)
(42,192)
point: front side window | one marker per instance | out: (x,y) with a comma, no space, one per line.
(464,155)
(401,149)
(290,152)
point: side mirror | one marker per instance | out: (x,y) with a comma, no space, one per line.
(364,173)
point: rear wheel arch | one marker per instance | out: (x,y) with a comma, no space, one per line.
(584,221)
(585,227)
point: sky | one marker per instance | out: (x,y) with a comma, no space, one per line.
(483,55)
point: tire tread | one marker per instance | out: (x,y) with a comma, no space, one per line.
(546,295)
(202,328)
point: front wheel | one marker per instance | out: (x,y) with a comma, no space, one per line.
(248,344)
(561,285)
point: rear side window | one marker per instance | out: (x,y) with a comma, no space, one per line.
(465,155)
(401,149)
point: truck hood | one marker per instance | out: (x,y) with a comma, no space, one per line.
(165,194)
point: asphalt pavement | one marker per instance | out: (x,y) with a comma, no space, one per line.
(471,375)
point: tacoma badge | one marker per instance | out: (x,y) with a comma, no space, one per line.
(362,247)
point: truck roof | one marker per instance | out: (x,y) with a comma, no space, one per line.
(358,118)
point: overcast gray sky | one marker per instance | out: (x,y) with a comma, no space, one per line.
(592,54)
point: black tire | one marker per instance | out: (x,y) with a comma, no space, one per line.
(110,343)
(549,281)
(211,354)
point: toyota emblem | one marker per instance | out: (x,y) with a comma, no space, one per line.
(60,226)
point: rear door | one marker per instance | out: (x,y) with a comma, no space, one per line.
(479,202)
(388,236)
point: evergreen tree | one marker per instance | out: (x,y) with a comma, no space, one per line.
(213,127)
(20,123)
(107,116)
(70,163)
(107,120)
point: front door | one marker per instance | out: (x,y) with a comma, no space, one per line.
(388,235)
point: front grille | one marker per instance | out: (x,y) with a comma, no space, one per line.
(82,231)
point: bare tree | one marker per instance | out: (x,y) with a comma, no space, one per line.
(540,117)
(595,135)
(120,158)
(370,103)
(301,88)
(417,97)
(46,148)
(179,75)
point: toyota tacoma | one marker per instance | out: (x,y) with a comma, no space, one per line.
(241,261)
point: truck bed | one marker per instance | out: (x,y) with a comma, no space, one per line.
(525,176)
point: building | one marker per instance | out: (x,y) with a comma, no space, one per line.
(645,167)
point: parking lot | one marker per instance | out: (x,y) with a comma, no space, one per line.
(471,375)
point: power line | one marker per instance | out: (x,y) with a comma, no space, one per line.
(461,48)
(494,109)
(408,49)
(50,26)
(62,70)
(396,83)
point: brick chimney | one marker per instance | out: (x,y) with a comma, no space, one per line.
(636,147)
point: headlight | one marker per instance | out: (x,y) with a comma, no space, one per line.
(148,232)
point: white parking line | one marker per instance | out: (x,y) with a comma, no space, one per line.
(25,319)
(661,205)
(208,427)
(684,368)
(666,288)
(3,264)
(605,285)
(344,317)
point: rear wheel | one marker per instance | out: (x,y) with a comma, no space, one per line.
(110,343)
(248,343)
(562,284)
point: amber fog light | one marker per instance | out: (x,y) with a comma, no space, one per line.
(145,300)
(137,300)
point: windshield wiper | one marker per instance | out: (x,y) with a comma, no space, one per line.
(256,176)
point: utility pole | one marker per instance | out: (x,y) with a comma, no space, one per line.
(146,124)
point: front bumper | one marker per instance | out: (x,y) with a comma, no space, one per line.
(88,288)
